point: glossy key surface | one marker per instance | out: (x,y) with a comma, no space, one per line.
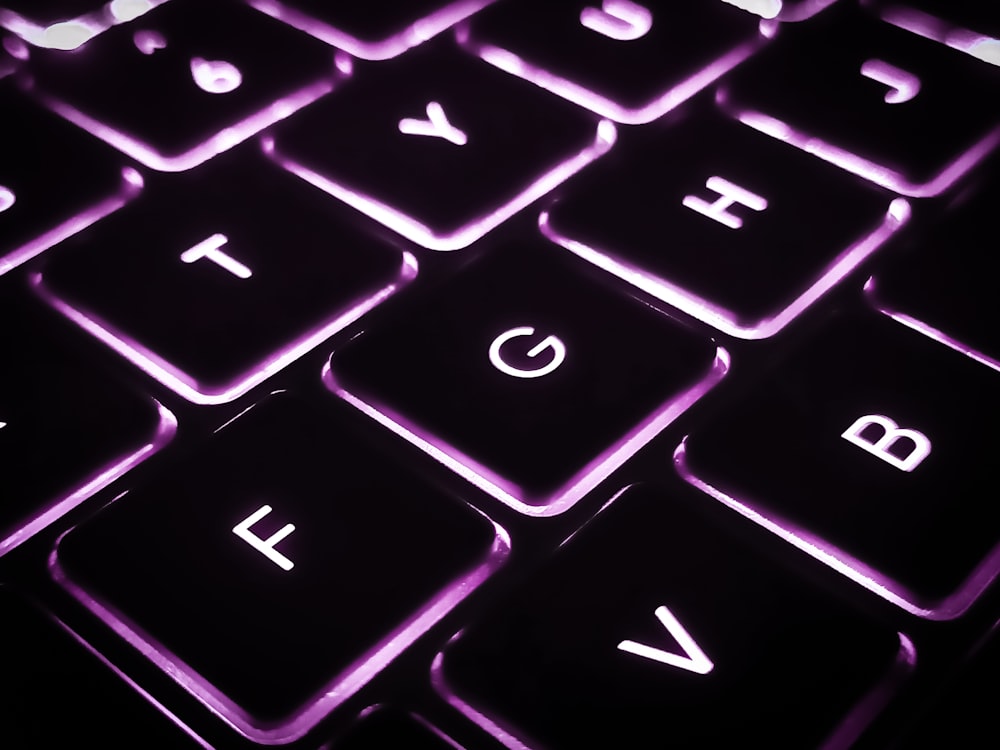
(870,447)
(217,63)
(654,628)
(628,61)
(733,227)
(221,276)
(280,568)
(527,376)
(898,109)
(441,147)
(59,444)
(54,179)
(375,29)
(55,693)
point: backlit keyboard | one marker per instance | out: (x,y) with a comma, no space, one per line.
(495,374)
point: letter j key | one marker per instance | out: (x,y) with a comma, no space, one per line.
(870,448)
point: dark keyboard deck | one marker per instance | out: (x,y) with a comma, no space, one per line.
(498,374)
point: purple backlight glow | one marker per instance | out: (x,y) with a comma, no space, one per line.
(728,322)
(859,165)
(187,386)
(335,692)
(382,49)
(100,479)
(846,564)
(130,187)
(69,34)
(216,144)
(604,138)
(871,292)
(980,46)
(602,105)
(507,491)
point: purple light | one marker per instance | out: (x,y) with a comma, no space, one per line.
(847,565)
(926,329)
(902,85)
(71,33)
(859,165)
(574,92)
(980,46)
(508,492)
(165,430)
(416,33)
(728,322)
(604,138)
(221,141)
(335,692)
(129,188)
(159,369)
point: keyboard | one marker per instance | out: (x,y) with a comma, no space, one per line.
(493,374)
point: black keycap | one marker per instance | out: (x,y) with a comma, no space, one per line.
(870,448)
(897,109)
(61,444)
(243,269)
(231,70)
(440,148)
(945,286)
(733,227)
(280,569)
(527,377)
(56,694)
(54,180)
(625,60)
(389,728)
(375,29)
(652,628)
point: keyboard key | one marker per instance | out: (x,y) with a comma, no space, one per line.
(967,25)
(628,61)
(945,286)
(528,378)
(387,728)
(652,628)
(60,445)
(869,448)
(54,180)
(243,269)
(56,694)
(375,29)
(697,209)
(216,63)
(281,568)
(874,106)
(441,149)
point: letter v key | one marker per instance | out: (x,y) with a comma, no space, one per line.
(694,659)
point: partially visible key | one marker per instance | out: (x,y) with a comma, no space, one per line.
(383,728)
(54,693)
(899,110)
(54,180)
(282,567)
(872,448)
(374,29)
(945,286)
(67,24)
(625,60)
(60,445)
(730,226)
(220,277)
(441,148)
(653,628)
(527,377)
(231,70)
(967,25)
